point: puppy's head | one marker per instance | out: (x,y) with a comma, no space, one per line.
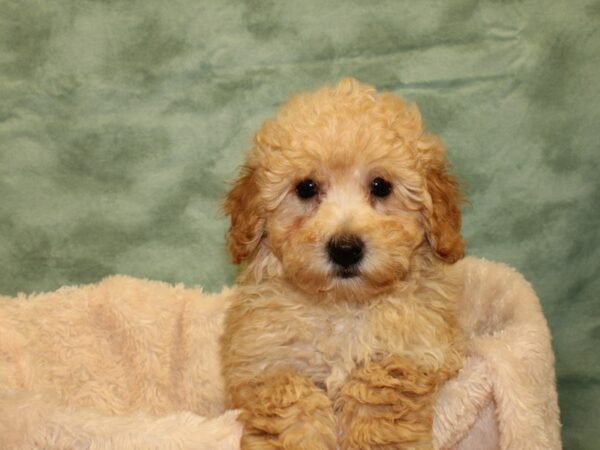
(342,192)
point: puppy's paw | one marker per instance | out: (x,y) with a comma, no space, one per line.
(259,442)
(269,433)
(314,435)
(387,405)
(285,410)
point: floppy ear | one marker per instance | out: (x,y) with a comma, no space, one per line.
(444,216)
(244,207)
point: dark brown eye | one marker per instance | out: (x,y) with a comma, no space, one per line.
(307,189)
(380,187)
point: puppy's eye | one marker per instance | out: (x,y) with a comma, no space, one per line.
(380,187)
(307,189)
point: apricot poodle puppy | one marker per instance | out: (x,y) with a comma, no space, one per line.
(342,326)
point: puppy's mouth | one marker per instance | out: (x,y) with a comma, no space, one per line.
(347,272)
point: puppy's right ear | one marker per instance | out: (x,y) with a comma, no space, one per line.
(244,208)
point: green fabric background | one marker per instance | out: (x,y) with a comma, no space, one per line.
(121,120)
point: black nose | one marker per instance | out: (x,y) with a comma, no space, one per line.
(346,250)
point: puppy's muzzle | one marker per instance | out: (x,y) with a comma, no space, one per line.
(346,252)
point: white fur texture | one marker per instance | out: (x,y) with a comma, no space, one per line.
(133,364)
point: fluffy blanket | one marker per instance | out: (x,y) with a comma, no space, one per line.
(129,363)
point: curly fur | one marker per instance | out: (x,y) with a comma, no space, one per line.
(309,346)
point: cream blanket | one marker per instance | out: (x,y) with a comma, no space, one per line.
(133,364)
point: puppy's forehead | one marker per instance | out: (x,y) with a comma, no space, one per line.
(341,129)
(345,143)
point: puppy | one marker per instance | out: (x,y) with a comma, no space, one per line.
(342,326)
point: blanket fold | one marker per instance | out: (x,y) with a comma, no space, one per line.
(510,368)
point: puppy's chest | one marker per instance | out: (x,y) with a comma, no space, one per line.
(346,336)
(328,342)
(338,339)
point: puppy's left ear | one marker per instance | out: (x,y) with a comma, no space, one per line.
(245,209)
(443,217)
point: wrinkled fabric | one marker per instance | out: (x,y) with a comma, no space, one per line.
(120,122)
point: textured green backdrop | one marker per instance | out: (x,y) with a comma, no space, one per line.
(120,121)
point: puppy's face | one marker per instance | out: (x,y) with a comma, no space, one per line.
(341,192)
(349,217)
